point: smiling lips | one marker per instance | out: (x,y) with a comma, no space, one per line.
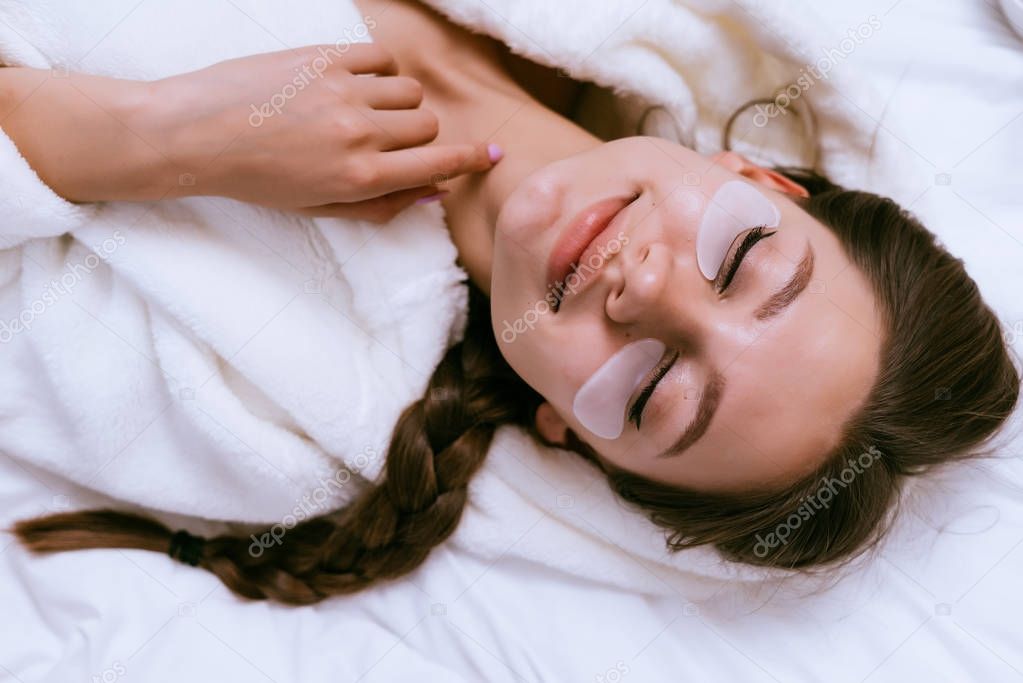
(589,230)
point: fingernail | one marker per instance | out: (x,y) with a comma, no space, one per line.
(431,198)
(494,152)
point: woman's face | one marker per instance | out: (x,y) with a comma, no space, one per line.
(765,365)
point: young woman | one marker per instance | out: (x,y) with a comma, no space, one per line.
(718,381)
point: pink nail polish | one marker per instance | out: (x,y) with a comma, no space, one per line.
(431,198)
(494,152)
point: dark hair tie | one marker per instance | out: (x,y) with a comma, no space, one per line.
(186,547)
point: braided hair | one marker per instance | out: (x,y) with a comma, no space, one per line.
(438,443)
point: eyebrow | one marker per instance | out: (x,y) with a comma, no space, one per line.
(715,388)
(709,401)
(777,302)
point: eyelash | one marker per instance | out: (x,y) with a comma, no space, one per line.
(748,242)
(636,411)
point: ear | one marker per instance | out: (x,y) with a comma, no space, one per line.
(551,427)
(736,163)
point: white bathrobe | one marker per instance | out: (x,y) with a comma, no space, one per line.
(211,358)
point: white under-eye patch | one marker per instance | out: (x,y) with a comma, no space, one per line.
(734,208)
(601,401)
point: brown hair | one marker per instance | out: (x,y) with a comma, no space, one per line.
(945,385)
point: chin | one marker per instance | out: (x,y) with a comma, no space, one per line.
(533,206)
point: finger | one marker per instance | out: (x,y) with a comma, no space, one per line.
(435,164)
(405,128)
(367,58)
(393,92)
(356,58)
(379,209)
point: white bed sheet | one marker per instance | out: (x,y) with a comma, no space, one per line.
(942,601)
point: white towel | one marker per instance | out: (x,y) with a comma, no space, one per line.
(205,356)
(215,359)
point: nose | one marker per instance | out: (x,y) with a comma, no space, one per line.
(639,285)
(659,294)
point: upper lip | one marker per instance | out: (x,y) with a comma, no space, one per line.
(580,234)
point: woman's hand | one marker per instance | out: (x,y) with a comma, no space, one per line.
(307,130)
(311,130)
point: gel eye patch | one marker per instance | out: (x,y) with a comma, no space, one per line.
(600,403)
(735,207)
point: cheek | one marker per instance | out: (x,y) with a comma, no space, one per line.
(530,350)
(678,215)
(520,306)
(505,276)
(533,205)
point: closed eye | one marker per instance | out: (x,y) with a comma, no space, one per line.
(636,412)
(753,236)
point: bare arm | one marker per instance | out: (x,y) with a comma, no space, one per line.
(83,134)
(303,130)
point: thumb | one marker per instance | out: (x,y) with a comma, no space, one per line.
(378,209)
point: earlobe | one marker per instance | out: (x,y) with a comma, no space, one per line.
(550,426)
(776,181)
(736,163)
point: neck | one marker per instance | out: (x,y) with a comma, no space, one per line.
(531,137)
(467,85)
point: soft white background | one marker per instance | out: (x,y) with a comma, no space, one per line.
(942,602)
